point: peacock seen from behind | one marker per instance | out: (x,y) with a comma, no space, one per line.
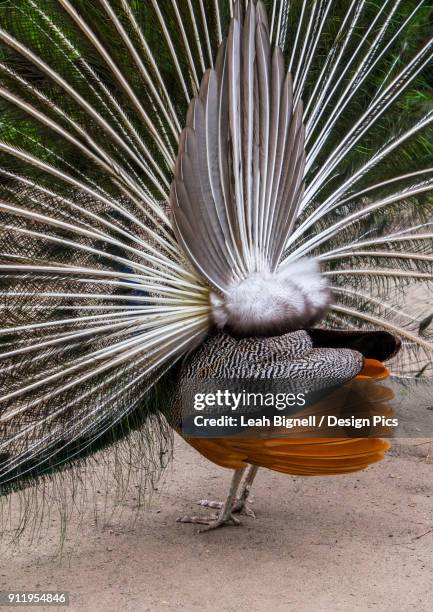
(206,188)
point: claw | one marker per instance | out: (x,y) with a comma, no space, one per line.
(198,520)
(239,507)
(207,503)
(221,522)
(212,522)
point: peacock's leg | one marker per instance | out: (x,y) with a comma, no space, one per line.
(240,505)
(225,516)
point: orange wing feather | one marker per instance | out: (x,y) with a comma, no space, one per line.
(299,456)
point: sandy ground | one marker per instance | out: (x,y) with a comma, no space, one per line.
(359,542)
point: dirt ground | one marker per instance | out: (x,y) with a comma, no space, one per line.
(352,543)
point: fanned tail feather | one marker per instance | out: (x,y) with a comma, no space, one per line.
(308,136)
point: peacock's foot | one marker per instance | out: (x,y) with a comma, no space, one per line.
(225,516)
(212,522)
(240,506)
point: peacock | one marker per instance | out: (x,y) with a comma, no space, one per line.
(207,188)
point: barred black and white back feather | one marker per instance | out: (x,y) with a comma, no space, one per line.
(304,170)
